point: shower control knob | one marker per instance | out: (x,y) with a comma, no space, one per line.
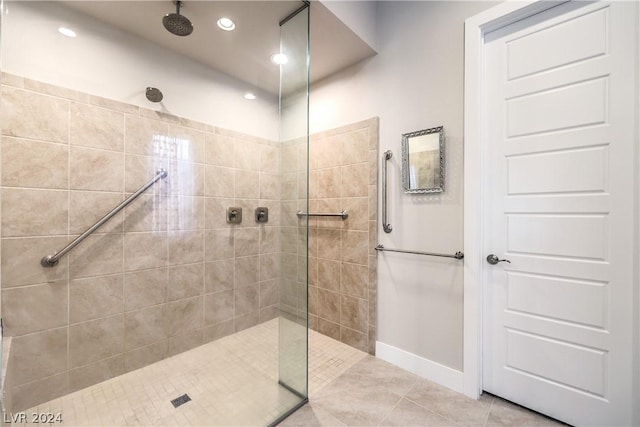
(493,259)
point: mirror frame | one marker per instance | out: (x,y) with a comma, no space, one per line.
(405,160)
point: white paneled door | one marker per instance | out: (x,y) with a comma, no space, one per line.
(558,212)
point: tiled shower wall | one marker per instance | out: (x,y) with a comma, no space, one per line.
(165,275)
(342,276)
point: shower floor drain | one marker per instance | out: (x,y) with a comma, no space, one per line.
(180,400)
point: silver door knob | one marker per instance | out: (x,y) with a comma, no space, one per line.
(493,260)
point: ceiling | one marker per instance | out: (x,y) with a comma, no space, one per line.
(245,52)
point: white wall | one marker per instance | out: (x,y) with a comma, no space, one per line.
(359,15)
(415,82)
(107,62)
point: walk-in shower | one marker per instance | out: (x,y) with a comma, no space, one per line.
(128,297)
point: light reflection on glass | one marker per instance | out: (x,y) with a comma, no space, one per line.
(175,154)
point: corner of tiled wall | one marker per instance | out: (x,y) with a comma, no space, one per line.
(166,275)
(342,279)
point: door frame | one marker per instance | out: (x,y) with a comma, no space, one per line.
(474,144)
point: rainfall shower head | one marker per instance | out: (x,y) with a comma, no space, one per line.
(177,24)
(154,94)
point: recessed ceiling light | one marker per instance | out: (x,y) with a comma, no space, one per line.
(226,24)
(249,96)
(67,32)
(279,58)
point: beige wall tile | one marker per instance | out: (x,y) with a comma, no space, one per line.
(247,184)
(354,338)
(145,250)
(219,244)
(95,297)
(270,158)
(139,170)
(329,244)
(246,270)
(218,307)
(247,299)
(34,164)
(329,305)
(95,340)
(184,315)
(219,182)
(355,180)
(246,155)
(185,281)
(215,215)
(28,395)
(57,91)
(144,356)
(42,354)
(354,313)
(34,212)
(32,115)
(146,136)
(185,213)
(358,209)
(329,329)
(268,313)
(146,326)
(96,127)
(355,246)
(146,213)
(269,239)
(94,373)
(331,205)
(217,331)
(219,276)
(289,186)
(268,293)
(246,321)
(87,207)
(355,146)
(36,308)
(99,254)
(184,342)
(189,143)
(113,105)
(185,178)
(373,202)
(96,170)
(145,288)
(269,186)
(354,280)
(373,167)
(269,266)
(313,300)
(247,241)
(329,274)
(219,150)
(21,261)
(329,183)
(186,247)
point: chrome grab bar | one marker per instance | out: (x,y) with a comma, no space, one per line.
(385,225)
(344,214)
(52,260)
(457,255)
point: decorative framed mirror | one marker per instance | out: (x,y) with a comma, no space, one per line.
(423,161)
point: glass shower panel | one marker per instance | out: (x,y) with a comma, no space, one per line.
(294,138)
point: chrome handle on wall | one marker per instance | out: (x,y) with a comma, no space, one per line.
(385,225)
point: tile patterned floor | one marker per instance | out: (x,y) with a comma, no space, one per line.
(233,382)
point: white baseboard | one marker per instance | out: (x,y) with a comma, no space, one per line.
(425,368)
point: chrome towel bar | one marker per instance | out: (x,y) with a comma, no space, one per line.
(52,260)
(344,214)
(457,255)
(385,157)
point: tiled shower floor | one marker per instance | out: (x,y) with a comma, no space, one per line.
(231,382)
